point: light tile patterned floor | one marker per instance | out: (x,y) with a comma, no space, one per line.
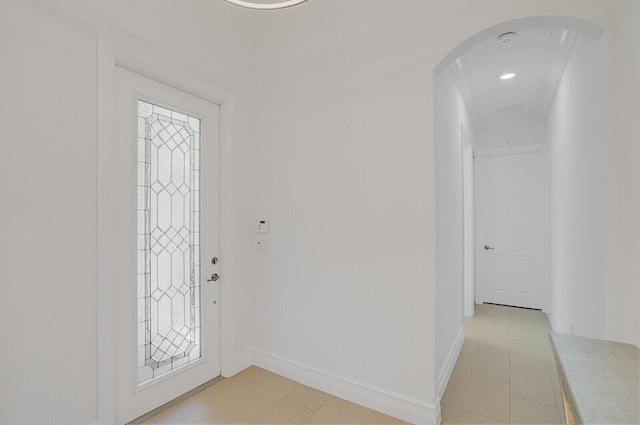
(505,372)
(256,396)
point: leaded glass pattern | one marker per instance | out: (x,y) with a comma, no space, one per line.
(168,240)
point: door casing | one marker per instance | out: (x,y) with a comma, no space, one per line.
(170,75)
(134,398)
(468,202)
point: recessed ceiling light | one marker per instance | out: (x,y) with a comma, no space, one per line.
(266,4)
(507,76)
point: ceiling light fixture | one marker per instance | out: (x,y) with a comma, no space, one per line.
(266,4)
(508,76)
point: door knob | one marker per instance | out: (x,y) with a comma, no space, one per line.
(487,247)
(214,277)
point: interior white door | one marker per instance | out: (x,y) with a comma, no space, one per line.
(166,222)
(512,227)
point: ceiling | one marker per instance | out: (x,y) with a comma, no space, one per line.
(537,56)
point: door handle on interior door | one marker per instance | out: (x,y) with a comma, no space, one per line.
(214,277)
(487,247)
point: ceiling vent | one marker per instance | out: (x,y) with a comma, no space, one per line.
(506,38)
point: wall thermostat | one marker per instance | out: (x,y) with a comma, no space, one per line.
(263,226)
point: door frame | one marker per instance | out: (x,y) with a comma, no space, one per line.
(107,61)
(468,221)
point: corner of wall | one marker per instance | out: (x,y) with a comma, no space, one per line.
(406,408)
(447,367)
(555,325)
(243,360)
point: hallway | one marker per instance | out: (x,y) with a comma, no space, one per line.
(505,372)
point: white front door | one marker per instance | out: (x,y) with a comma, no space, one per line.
(167,219)
(512,227)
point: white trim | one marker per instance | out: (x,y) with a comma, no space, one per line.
(227,239)
(449,363)
(468,222)
(107,60)
(269,6)
(406,408)
(566,22)
(555,326)
(245,359)
(512,150)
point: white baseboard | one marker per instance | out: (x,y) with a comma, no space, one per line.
(393,404)
(449,363)
(244,359)
(555,326)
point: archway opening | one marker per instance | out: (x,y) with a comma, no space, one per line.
(520,115)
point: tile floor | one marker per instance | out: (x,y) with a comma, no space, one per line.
(256,396)
(505,372)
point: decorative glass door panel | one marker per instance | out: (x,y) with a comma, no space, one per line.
(166,206)
(168,240)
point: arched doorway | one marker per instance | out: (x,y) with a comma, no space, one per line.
(562,121)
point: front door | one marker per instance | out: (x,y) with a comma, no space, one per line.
(168,303)
(512,227)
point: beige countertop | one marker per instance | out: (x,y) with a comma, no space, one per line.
(600,379)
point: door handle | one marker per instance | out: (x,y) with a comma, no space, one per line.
(487,247)
(214,277)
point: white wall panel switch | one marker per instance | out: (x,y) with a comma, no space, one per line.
(263,226)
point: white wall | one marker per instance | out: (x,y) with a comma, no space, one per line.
(511,132)
(451,115)
(48,113)
(334,143)
(595,189)
(622,268)
(347,129)
(576,152)
(48,242)
(346,287)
